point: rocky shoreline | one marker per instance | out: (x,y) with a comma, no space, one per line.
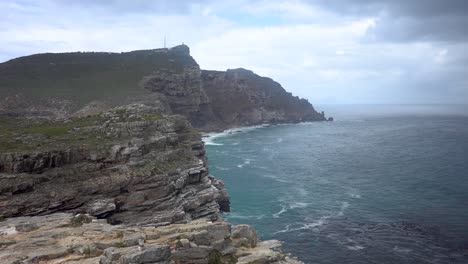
(141,193)
(111,167)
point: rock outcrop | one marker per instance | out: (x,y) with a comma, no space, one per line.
(215,100)
(128,165)
(61,238)
(183,93)
(239,97)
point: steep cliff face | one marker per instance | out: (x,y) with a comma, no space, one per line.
(183,93)
(129,165)
(239,97)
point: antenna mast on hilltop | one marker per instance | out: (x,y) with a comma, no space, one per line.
(164,41)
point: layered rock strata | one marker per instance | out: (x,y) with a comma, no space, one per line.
(128,165)
(64,238)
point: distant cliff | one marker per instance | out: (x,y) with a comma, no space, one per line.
(76,84)
(240,97)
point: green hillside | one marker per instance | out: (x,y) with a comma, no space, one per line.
(86,76)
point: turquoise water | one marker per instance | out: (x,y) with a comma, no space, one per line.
(372,187)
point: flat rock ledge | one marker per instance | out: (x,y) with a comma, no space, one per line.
(67,238)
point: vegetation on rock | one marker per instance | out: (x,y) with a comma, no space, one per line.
(79,220)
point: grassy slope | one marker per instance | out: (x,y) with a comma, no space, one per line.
(84,77)
(31,135)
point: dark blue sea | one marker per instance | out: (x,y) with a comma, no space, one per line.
(380,184)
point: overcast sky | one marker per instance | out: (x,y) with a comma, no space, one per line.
(329,51)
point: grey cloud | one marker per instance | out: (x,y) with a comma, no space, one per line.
(408,20)
(407,29)
(414,8)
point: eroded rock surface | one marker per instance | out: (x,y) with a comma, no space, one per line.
(58,238)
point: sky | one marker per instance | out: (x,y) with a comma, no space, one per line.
(328,51)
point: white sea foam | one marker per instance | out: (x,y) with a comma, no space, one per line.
(274,178)
(355,248)
(239,216)
(283,209)
(209,138)
(320,222)
(312,225)
(401,250)
(302,191)
(221,168)
(343,207)
(354,195)
(283,230)
(298,205)
(246,162)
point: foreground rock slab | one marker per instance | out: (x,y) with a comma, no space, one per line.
(67,238)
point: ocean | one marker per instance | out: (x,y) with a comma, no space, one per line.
(380,184)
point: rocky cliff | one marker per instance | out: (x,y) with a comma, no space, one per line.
(101,159)
(129,165)
(129,185)
(240,97)
(61,85)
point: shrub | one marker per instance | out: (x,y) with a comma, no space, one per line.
(87,251)
(179,244)
(79,220)
(120,244)
(215,257)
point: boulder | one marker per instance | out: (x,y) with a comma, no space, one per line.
(101,208)
(244,235)
(149,254)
